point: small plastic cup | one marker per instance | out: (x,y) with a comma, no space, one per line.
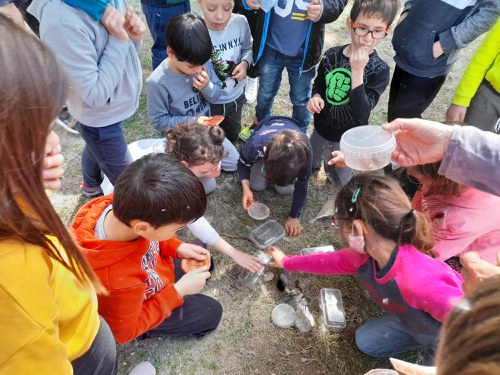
(266,5)
(258,211)
(367,147)
(283,315)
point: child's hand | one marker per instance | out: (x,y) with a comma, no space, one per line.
(192,282)
(315,104)
(52,163)
(338,159)
(456,112)
(200,80)
(203,120)
(293,227)
(278,256)
(358,58)
(247,261)
(133,25)
(114,23)
(253,4)
(313,10)
(247,199)
(240,71)
(188,250)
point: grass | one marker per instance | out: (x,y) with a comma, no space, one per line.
(247,342)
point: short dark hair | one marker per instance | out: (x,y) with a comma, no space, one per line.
(386,9)
(288,155)
(159,190)
(188,37)
(196,144)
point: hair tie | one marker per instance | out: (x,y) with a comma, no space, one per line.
(410,213)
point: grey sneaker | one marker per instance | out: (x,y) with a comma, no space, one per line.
(91,192)
(67,121)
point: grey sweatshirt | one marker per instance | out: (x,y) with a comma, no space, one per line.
(106,71)
(473,159)
(172,99)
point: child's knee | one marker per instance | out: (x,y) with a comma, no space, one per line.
(284,190)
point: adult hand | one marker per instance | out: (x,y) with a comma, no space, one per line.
(337,159)
(313,10)
(277,255)
(293,227)
(52,163)
(247,261)
(456,112)
(189,250)
(315,104)
(475,270)
(254,4)
(134,26)
(419,141)
(192,282)
(240,71)
(114,23)
(201,80)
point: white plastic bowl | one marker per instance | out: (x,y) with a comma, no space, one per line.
(367,147)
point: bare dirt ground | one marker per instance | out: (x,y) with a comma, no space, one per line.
(247,342)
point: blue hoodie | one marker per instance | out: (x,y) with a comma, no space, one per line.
(106,71)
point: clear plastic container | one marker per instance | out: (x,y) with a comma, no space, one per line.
(332,309)
(267,234)
(249,278)
(317,249)
(258,211)
(266,5)
(367,147)
(283,315)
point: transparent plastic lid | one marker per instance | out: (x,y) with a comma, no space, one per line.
(267,234)
(283,315)
(332,308)
(367,140)
(258,211)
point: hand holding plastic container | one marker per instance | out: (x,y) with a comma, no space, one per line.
(367,147)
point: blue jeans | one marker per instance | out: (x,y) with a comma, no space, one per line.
(386,336)
(271,66)
(105,152)
(158,19)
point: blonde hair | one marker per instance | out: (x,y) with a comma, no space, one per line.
(470,337)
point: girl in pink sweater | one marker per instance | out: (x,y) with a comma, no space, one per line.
(463,218)
(390,249)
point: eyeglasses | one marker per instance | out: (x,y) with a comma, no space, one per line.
(364,31)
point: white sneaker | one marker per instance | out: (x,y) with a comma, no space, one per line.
(143,368)
(251,90)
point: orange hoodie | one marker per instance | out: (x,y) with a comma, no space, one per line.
(139,275)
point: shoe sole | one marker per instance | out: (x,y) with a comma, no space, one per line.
(66,127)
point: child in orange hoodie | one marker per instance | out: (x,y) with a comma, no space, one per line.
(129,240)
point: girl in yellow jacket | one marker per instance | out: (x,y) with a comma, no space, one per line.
(48,308)
(477,98)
